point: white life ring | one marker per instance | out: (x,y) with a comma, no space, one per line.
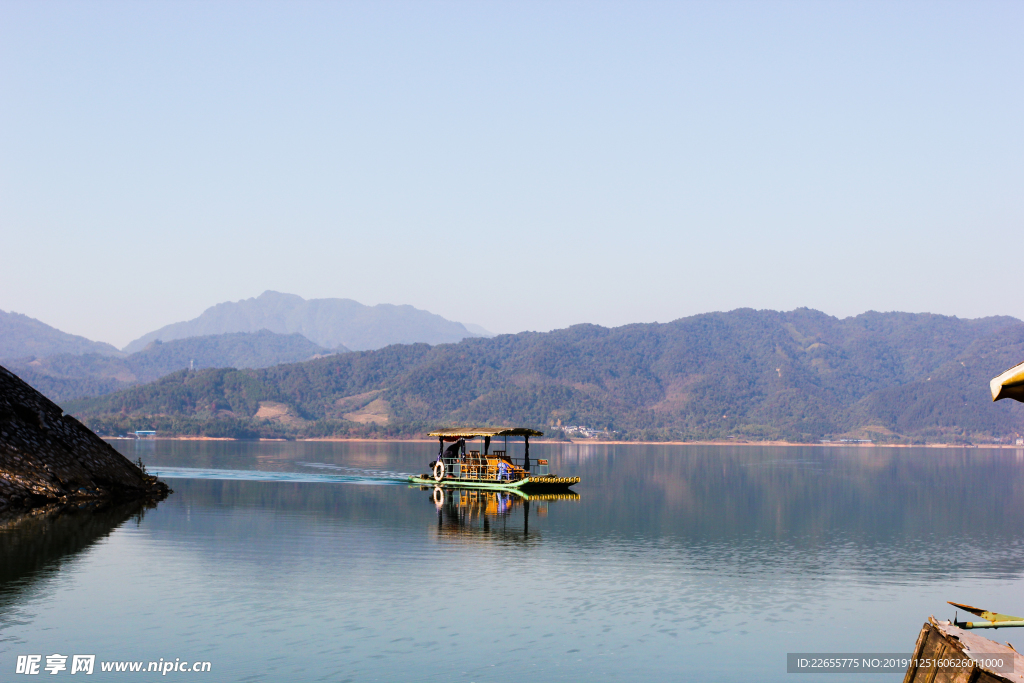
(439,470)
(438,496)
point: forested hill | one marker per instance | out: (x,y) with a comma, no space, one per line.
(799,375)
(66,376)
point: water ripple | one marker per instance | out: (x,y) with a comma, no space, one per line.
(257,475)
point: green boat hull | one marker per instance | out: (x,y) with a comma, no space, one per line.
(526,484)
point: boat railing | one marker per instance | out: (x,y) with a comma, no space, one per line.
(495,466)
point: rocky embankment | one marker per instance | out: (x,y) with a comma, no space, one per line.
(48,457)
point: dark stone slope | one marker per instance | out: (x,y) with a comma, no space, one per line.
(47,456)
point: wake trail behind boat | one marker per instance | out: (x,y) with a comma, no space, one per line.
(357,477)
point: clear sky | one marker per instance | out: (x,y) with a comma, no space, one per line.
(518,165)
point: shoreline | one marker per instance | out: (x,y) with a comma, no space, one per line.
(594,442)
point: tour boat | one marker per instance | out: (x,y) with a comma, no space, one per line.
(455,467)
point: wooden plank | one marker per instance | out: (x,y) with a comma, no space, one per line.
(940,640)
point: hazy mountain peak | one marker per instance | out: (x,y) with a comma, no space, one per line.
(64,376)
(479,331)
(22,336)
(328,322)
(271,295)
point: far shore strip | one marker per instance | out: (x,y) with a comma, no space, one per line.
(593,442)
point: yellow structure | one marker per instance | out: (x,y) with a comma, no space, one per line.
(1010,384)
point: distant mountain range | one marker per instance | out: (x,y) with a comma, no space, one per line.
(22,336)
(331,323)
(268,330)
(65,376)
(758,375)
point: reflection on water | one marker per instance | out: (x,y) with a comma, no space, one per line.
(313,561)
(37,545)
(467,514)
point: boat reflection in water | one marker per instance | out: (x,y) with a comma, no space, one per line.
(470,514)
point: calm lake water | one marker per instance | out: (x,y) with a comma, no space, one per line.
(308,561)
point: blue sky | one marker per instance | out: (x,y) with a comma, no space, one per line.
(522,165)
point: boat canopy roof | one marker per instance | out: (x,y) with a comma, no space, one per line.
(473,432)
